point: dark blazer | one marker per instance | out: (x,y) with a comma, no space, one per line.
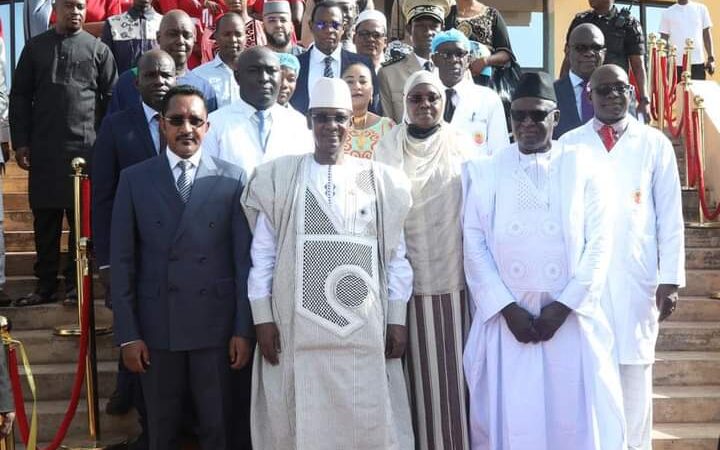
(569,118)
(124,139)
(301,98)
(179,271)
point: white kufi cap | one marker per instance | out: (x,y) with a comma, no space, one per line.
(331,93)
(371,14)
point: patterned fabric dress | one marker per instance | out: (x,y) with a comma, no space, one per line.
(362,143)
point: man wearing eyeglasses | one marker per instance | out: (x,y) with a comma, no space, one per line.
(326,58)
(179,262)
(370,36)
(475,110)
(538,360)
(648,259)
(586,52)
(328,290)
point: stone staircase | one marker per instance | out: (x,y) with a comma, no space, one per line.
(687,372)
(53,358)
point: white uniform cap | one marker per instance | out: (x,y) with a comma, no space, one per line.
(371,14)
(331,93)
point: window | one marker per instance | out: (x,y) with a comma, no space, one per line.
(13,34)
(527,27)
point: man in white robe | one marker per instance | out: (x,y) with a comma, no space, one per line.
(328,290)
(255,128)
(538,360)
(474,110)
(648,261)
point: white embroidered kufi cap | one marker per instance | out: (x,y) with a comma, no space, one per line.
(371,14)
(331,93)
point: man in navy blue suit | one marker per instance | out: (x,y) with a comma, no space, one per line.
(177,37)
(180,257)
(586,52)
(125,138)
(327,58)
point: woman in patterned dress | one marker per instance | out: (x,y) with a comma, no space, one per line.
(483,24)
(367,128)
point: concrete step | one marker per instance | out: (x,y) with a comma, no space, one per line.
(50,415)
(15,184)
(54,381)
(43,347)
(696,309)
(24,241)
(13,170)
(16,201)
(17,286)
(689,336)
(677,368)
(702,258)
(702,237)
(686,436)
(21,221)
(46,317)
(686,404)
(701,282)
(21,263)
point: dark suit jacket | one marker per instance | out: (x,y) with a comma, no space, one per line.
(124,139)
(179,271)
(569,118)
(301,98)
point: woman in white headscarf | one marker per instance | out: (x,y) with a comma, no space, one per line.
(431,154)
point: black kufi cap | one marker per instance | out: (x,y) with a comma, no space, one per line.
(537,85)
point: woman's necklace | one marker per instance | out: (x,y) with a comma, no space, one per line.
(360,128)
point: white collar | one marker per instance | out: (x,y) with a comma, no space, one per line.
(421,60)
(247,110)
(174,159)
(149,112)
(575,80)
(218,62)
(317,56)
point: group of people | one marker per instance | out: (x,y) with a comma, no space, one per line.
(331,249)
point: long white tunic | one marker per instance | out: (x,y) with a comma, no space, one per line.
(533,234)
(233,135)
(644,186)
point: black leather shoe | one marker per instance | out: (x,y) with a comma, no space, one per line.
(35,298)
(5,299)
(71,297)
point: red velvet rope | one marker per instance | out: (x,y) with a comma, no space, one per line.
(700,175)
(654,107)
(20,417)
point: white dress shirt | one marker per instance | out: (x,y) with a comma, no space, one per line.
(153,120)
(317,66)
(577,82)
(221,78)
(263,249)
(174,159)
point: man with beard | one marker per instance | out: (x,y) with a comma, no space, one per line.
(328,289)
(370,36)
(648,259)
(230,38)
(474,110)
(538,360)
(62,85)
(255,128)
(327,58)
(586,51)
(278,27)
(126,138)
(177,37)
(132,33)
(425,20)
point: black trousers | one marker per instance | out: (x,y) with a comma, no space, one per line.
(47,225)
(697,72)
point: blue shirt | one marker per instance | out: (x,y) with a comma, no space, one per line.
(125,92)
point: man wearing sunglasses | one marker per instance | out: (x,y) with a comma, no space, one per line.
(328,290)
(538,359)
(179,263)
(648,260)
(586,51)
(475,110)
(326,58)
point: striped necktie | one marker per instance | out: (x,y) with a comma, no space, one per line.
(328,72)
(183,183)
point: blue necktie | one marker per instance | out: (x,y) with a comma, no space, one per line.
(262,128)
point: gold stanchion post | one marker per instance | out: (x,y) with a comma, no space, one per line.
(8,442)
(660,83)
(699,103)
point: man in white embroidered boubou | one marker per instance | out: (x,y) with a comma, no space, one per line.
(329,287)
(538,360)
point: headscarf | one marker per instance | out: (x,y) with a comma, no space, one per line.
(423,77)
(451,35)
(289,61)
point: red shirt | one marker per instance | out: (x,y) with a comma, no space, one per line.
(99,10)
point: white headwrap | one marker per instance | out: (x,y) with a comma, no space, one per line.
(331,93)
(423,77)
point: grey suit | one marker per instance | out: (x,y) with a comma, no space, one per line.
(392,78)
(179,283)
